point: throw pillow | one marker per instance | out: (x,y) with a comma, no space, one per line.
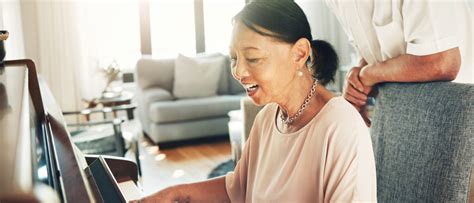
(196,77)
(223,86)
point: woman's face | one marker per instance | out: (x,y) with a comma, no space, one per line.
(262,64)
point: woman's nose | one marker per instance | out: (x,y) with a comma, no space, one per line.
(239,72)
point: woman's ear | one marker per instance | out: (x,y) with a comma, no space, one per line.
(301,51)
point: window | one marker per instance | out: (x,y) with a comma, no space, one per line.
(218,23)
(172,28)
(113,33)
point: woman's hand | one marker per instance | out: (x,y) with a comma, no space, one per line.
(210,190)
(171,194)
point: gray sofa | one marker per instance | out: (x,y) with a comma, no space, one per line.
(165,118)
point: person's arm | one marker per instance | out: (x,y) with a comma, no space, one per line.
(442,66)
(212,190)
(432,53)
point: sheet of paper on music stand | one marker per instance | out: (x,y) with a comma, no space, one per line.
(80,157)
(130,191)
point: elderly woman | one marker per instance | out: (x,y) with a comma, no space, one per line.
(306,144)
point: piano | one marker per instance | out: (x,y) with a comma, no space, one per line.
(38,161)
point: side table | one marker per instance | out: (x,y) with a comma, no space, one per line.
(110,100)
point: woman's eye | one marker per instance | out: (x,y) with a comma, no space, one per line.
(253,60)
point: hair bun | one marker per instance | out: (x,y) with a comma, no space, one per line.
(325,61)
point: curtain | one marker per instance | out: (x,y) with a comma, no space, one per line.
(71,41)
(110,32)
(51,40)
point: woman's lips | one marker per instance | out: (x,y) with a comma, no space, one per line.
(252,92)
(251,89)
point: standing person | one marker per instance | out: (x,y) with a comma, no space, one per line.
(413,41)
(405,41)
(306,144)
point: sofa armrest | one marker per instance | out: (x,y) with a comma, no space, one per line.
(148,96)
(155,72)
(154,94)
(250,111)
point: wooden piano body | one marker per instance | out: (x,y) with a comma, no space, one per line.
(38,161)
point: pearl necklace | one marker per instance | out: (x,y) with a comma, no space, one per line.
(288,120)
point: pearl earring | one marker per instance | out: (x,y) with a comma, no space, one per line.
(299,72)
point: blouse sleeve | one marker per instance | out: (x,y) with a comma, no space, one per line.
(428,26)
(350,165)
(236,181)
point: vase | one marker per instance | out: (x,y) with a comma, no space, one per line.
(2,51)
(3,37)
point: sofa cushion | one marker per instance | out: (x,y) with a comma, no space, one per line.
(234,85)
(155,72)
(226,77)
(197,77)
(169,132)
(223,85)
(154,94)
(193,109)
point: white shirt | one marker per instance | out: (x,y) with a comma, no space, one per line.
(384,29)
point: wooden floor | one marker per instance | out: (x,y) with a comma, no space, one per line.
(165,167)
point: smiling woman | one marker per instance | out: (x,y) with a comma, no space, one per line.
(306,144)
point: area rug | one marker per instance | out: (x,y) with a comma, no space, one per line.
(222,169)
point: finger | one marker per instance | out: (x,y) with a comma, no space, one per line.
(353,96)
(357,85)
(355,81)
(367,90)
(360,96)
(356,102)
(348,87)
